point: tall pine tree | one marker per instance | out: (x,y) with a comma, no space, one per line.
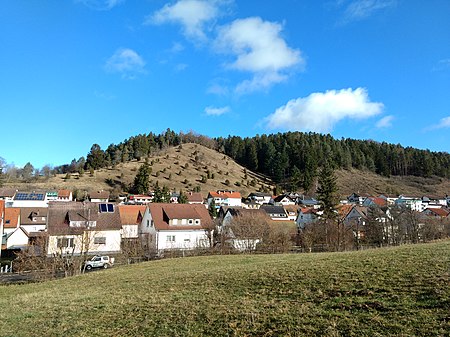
(327,192)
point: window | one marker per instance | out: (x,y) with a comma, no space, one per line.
(170,238)
(8,221)
(197,221)
(100,240)
(191,221)
(106,208)
(148,223)
(65,243)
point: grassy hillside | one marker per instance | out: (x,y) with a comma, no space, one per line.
(169,168)
(174,167)
(402,291)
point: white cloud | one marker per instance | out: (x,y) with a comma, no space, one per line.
(101,5)
(385,122)
(258,48)
(361,9)
(443,124)
(442,65)
(191,14)
(319,112)
(126,62)
(212,111)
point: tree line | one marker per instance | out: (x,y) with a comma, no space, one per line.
(291,159)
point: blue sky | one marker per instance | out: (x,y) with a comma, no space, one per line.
(78,72)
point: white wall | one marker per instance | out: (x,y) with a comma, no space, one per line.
(112,243)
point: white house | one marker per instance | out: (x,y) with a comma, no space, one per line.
(140,199)
(99,196)
(175,226)
(7,194)
(29,199)
(225,198)
(414,203)
(83,227)
(64,195)
(131,218)
(284,200)
(306,215)
(260,198)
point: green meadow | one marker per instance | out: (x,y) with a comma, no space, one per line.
(400,291)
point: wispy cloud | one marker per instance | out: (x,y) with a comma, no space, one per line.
(385,122)
(319,112)
(100,5)
(442,65)
(258,48)
(213,111)
(444,123)
(356,10)
(192,15)
(126,62)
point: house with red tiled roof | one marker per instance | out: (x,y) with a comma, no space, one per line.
(64,195)
(11,219)
(225,198)
(83,227)
(374,201)
(131,218)
(175,226)
(307,215)
(437,212)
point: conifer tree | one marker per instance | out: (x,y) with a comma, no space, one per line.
(326,192)
(142,179)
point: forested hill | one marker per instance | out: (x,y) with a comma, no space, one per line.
(291,159)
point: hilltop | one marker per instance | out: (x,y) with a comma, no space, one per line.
(182,168)
(179,168)
(399,291)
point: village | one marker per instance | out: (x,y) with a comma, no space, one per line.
(52,223)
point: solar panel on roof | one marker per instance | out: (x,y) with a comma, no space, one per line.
(111,208)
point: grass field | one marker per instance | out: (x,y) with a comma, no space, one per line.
(402,291)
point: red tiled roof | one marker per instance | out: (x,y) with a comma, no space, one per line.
(343,210)
(438,211)
(378,201)
(12,216)
(64,193)
(308,210)
(129,214)
(161,213)
(225,195)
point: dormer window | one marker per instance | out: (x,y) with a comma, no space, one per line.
(106,208)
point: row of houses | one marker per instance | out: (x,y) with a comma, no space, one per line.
(99,226)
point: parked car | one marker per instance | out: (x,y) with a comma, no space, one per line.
(98,261)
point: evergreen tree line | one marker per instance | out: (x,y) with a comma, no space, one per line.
(291,159)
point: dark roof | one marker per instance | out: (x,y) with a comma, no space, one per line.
(245,211)
(281,197)
(260,194)
(99,195)
(61,213)
(7,192)
(28,213)
(162,213)
(269,209)
(194,197)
